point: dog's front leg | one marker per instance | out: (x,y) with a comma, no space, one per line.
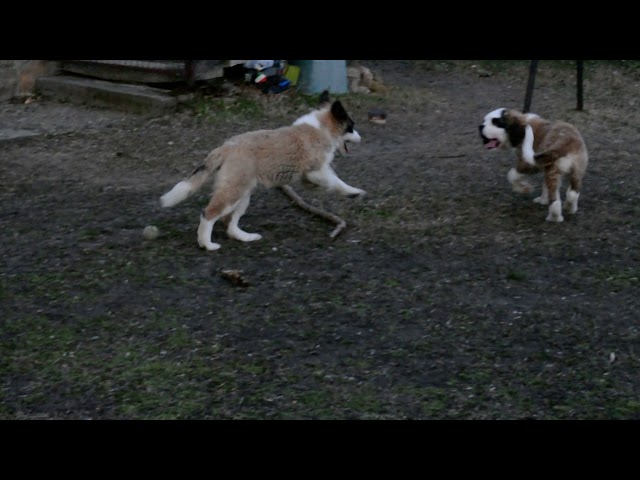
(518,176)
(325,177)
(518,182)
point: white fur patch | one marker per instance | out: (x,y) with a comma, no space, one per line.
(513,176)
(565,163)
(177,194)
(571,203)
(555,212)
(309,119)
(519,184)
(204,234)
(352,137)
(527,145)
(325,177)
(572,196)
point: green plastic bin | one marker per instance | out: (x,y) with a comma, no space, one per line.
(319,75)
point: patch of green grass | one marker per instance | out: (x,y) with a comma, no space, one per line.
(517,275)
(90,233)
(618,278)
(160,387)
(317,402)
(392,283)
(624,409)
(434,402)
(497,66)
(364,403)
(368,212)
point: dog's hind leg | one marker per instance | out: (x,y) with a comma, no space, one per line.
(205,229)
(325,177)
(233,230)
(552,178)
(573,192)
(544,198)
(216,209)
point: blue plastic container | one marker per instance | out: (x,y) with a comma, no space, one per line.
(319,75)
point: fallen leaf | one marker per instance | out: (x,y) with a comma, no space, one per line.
(235,277)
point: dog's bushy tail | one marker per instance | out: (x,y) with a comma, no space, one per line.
(187,187)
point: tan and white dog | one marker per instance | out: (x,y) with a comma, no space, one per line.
(555,148)
(270,158)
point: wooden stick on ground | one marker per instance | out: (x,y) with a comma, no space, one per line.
(291,193)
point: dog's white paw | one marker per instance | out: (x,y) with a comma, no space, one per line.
(522,187)
(244,236)
(541,200)
(518,184)
(356,192)
(211,246)
(571,203)
(555,212)
(570,207)
(555,218)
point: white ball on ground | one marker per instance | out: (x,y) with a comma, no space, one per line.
(150,232)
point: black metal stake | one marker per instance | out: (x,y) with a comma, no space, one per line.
(580,65)
(189,72)
(533,66)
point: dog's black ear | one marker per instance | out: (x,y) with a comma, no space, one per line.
(504,116)
(324,98)
(338,111)
(514,128)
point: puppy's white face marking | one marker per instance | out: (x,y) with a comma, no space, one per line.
(495,136)
(352,137)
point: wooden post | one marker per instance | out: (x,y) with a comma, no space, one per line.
(533,66)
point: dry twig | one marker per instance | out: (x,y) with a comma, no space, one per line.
(291,193)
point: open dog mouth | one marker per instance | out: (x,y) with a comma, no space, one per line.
(343,149)
(490,143)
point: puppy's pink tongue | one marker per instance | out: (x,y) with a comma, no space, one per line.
(493,143)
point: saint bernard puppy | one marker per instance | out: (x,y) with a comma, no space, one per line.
(303,150)
(556,149)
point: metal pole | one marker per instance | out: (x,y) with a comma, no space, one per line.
(189,72)
(533,66)
(580,64)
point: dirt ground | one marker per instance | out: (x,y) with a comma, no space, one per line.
(447,296)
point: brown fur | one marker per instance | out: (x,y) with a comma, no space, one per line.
(271,158)
(552,141)
(248,158)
